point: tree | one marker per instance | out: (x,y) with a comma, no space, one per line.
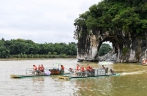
(4,52)
(104,49)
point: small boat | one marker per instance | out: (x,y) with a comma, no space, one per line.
(117,74)
(47,72)
(27,75)
(97,72)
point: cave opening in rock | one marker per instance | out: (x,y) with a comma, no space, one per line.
(107,50)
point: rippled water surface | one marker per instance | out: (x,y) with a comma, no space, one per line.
(131,82)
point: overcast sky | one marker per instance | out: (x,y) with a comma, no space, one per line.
(41,20)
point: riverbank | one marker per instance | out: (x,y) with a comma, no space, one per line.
(35,57)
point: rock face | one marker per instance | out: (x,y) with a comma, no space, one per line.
(126,47)
(122,22)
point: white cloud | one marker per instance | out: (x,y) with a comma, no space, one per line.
(41,20)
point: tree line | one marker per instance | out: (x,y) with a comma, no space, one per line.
(20,48)
(115,16)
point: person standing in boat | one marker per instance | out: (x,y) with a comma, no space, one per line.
(62,69)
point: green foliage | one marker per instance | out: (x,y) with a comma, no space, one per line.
(114,16)
(55,53)
(104,49)
(4,52)
(20,48)
(63,56)
(125,50)
(49,53)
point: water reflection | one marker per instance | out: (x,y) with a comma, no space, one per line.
(94,86)
(38,84)
(35,79)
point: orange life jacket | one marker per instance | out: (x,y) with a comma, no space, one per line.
(41,69)
(82,69)
(35,68)
(88,68)
(78,67)
(62,68)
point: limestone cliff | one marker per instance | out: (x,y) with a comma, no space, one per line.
(122,22)
(127,49)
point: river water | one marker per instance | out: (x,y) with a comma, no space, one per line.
(131,82)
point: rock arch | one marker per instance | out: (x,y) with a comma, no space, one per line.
(122,22)
(125,48)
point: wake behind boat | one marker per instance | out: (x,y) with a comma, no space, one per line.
(105,62)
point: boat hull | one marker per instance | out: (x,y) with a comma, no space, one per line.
(96,72)
(75,76)
(22,76)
